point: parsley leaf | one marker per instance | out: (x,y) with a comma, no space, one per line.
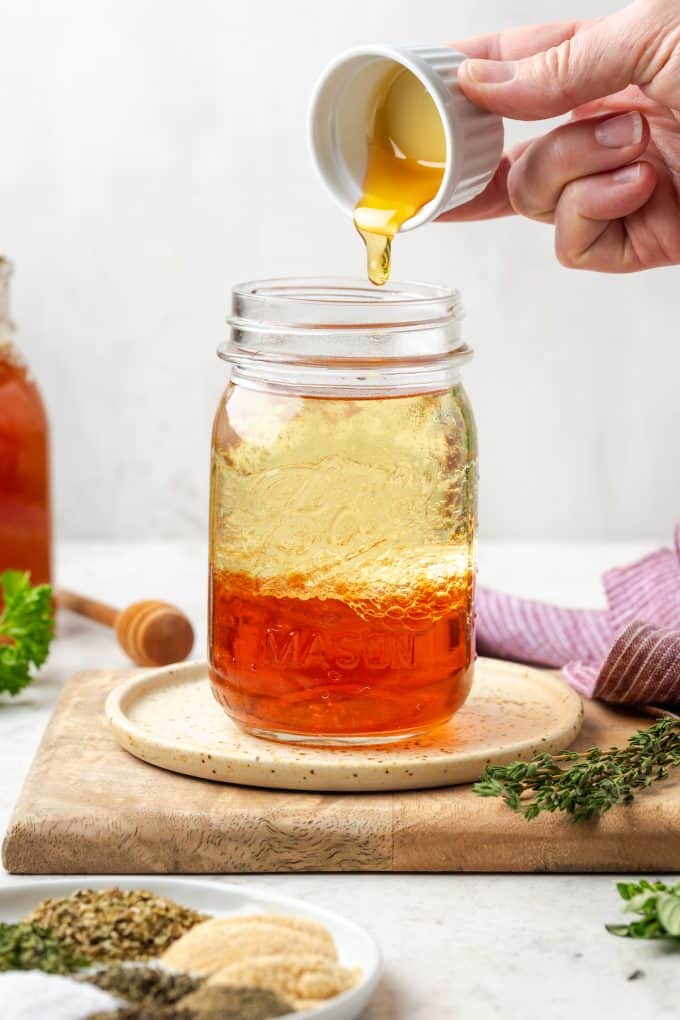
(26,629)
(658,907)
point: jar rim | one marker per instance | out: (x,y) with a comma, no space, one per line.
(340,323)
(325,304)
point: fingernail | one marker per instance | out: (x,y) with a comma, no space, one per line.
(627,174)
(618,132)
(490,72)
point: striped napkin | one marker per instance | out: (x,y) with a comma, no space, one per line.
(627,653)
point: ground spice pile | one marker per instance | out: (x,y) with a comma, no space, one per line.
(209,1004)
(145,1013)
(144,986)
(224,941)
(34,995)
(235,1004)
(292,956)
(116,924)
(241,967)
(29,947)
(304,980)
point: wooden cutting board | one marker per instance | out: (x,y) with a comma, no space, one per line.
(89,807)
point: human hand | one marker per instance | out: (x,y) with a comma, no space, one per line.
(608,179)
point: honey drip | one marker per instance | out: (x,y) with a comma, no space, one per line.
(405,166)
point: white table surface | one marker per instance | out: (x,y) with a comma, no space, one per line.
(464,947)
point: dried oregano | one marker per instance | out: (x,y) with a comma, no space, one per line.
(116,924)
(30,947)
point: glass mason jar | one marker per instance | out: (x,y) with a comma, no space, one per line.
(343,513)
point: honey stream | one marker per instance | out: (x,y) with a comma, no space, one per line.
(405,166)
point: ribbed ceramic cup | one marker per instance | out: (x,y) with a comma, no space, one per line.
(342,105)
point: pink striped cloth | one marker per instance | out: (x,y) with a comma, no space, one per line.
(627,653)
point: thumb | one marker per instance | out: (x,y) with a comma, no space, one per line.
(599,59)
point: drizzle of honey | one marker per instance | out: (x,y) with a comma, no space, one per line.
(306,667)
(405,166)
(24,489)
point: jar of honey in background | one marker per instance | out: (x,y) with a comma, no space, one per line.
(24,457)
(343,513)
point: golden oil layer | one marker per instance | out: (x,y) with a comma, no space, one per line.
(369,502)
(405,166)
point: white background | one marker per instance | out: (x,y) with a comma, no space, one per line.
(154,153)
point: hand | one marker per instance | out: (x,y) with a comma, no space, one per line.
(609,179)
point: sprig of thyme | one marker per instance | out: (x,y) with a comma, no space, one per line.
(586,784)
(26,629)
(658,907)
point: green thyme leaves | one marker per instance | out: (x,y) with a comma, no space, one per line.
(657,906)
(585,785)
(26,629)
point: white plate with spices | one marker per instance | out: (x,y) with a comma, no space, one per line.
(356,948)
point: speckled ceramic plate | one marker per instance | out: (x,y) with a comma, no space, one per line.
(356,948)
(168,717)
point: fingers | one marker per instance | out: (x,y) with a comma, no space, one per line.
(630,98)
(494,201)
(532,176)
(590,219)
(571,152)
(514,43)
(597,59)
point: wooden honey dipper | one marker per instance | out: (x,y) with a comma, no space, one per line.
(151,633)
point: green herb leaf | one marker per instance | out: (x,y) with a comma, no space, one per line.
(26,629)
(26,946)
(668,911)
(657,904)
(586,785)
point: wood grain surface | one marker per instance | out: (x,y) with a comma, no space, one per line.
(89,807)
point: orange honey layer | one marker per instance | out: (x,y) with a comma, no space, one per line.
(315,667)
